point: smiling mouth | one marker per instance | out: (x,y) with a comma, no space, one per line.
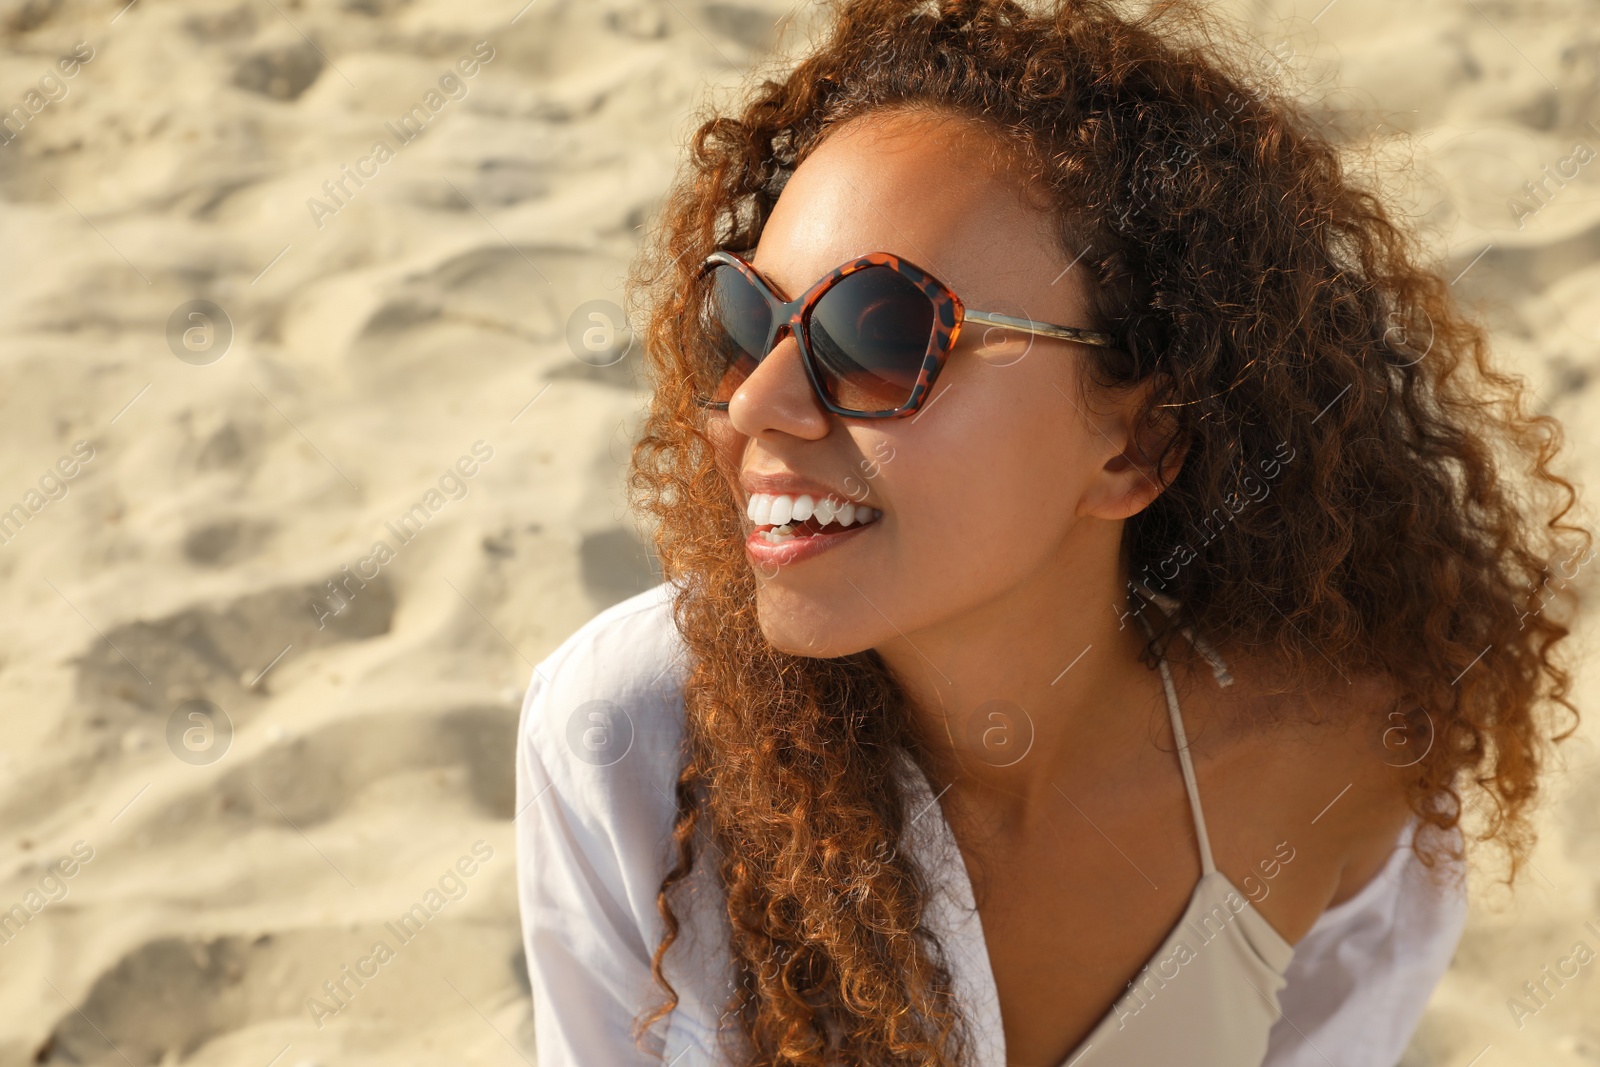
(805,516)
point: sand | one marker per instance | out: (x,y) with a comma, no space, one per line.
(235,374)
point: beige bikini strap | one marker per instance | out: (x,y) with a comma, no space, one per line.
(1219,669)
(1181,739)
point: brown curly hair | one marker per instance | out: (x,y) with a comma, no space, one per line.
(1278,305)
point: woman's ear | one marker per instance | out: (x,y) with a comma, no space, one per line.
(1129,480)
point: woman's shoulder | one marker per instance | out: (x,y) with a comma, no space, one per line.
(603,714)
(596,763)
(621,650)
(1314,769)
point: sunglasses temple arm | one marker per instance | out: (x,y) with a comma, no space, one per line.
(1044,329)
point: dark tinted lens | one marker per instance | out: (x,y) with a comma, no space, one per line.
(735,321)
(869,334)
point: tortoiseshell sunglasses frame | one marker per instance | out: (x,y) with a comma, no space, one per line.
(948,315)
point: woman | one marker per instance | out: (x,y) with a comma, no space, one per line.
(1098,578)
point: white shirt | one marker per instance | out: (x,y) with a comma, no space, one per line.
(597,760)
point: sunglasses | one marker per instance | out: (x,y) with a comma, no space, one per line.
(873,333)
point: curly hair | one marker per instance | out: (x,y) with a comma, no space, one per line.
(1413,529)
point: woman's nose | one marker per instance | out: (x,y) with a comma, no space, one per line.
(777,396)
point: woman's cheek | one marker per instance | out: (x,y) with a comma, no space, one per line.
(727,447)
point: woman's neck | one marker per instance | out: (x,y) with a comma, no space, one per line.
(1010,697)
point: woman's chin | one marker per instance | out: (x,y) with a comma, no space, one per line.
(800,628)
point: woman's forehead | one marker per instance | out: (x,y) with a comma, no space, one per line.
(929,187)
(933,188)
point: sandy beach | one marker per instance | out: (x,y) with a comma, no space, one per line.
(311,450)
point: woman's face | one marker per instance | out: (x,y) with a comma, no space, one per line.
(1002,491)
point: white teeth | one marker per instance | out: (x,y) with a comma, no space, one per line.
(779,511)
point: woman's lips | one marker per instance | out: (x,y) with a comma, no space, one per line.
(803,546)
(787,528)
